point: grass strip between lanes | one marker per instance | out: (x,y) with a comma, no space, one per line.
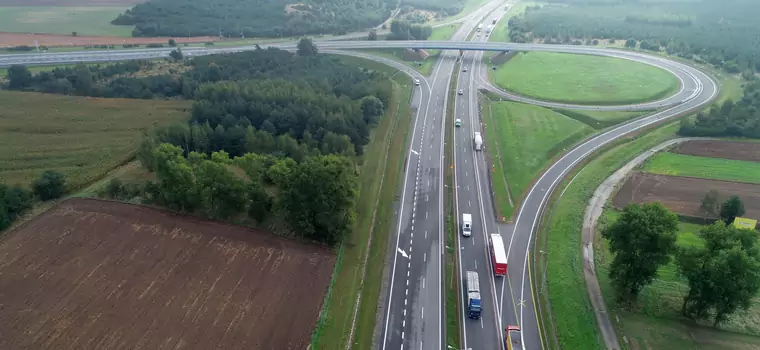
(379,181)
(560,285)
(666,163)
(451,284)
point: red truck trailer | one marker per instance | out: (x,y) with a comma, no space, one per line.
(498,255)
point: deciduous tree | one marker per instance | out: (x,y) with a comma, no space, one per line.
(710,206)
(50,185)
(641,240)
(723,275)
(730,209)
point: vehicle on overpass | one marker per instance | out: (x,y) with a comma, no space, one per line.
(458,122)
(473,295)
(498,256)
(466,225)
(478,140)
(512,340)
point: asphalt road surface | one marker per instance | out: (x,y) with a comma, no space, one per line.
(415,304)
(415,296)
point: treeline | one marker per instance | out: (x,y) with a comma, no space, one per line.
(444,8)
(740,119)
(266,18)
(315,197)
(16,200)
(404,30)
(723,274)
(721,33)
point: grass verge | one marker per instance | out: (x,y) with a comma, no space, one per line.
(666,163)
(563,293)
(82,138)
(583,79)
(378,186)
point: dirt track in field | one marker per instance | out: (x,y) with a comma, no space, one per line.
(749,151)
(684,195)
(92,274)
(53,40)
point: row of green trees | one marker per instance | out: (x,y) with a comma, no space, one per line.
(16,200)
(740,119)
(313,198)
(715,32)
(264,18)
(723,274)
(405,30)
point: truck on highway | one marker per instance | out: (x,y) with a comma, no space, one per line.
(512,340)
(488,29)
(466,225)
(498,256)
(494,20)
(480,26)
(473,295)
(478,140)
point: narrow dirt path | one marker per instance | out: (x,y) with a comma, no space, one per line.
(593,211)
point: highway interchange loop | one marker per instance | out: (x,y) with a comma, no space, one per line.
(413,312)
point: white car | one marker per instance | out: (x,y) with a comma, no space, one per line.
(464,69)
(461,92)
(458,122)
(417,82)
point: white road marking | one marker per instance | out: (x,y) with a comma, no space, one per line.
(476,267)
(422,315)
(415,152)
(426,215)
(424,257)
(423,282)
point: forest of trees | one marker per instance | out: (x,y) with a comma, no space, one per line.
(16,200)
(314,198)
(733,119)
(722,33)
(404,30)
(266,18)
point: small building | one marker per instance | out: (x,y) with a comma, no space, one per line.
(745,223)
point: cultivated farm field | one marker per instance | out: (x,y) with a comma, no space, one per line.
(683,195)
(80,137)
(94,274)
(737,150)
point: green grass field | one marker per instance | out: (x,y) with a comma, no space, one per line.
(583,79)
(667,163)
(560,237)
(602,119)
(663,298)
(374,215)
(82,138)
(91,20)
(524,138)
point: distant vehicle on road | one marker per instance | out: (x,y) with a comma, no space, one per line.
(512,340)
(417,82)
(498,256)
(464,69)
(473,295)
(461,92)
(458,122)
(478,140)
(488,29)
(480,26)
(466,225)
(494,20)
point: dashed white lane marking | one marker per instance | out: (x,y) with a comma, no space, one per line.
(423,282)
(425,234)
(426,215)
(422,315)
(469,203)
(424,257)
(476,266)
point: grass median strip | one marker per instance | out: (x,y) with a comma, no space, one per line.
(453,324)
(666,163)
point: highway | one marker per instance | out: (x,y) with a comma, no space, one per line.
(415,307)
(414,310)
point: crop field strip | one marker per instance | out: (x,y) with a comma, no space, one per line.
(82,138)
(95,274)
(703,167)
(737,150)
(683,195)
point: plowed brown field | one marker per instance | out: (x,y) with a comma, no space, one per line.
(749,151)
(52,40)
(684,195)
(92,274)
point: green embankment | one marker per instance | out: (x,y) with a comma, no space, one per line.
(667,163)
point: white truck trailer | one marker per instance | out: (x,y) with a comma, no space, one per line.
(478,141)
